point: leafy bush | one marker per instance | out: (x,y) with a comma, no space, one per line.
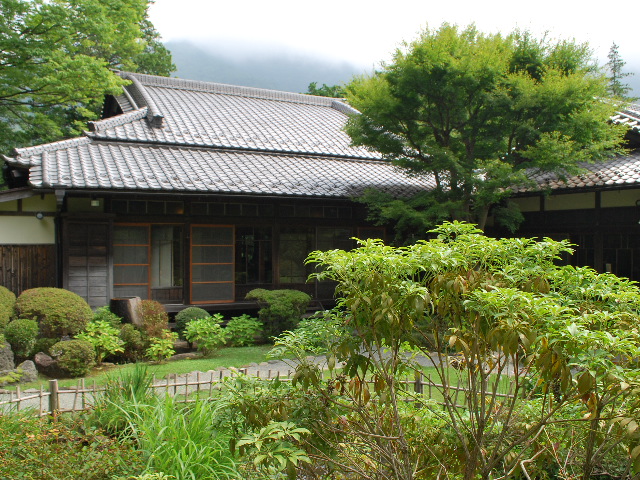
(280,309)
(35,448)
(58,312)
(103,314)
(207,332)
(242,330)
(103,337)
(134,341)
(75,357)
(7,302)
(154,318)
(161,347)
(183,317)
(21,335)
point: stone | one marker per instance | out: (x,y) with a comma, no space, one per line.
(29,371)
(47,365)
(6,357)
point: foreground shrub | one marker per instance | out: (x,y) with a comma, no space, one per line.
(44,345)
(75,357)
(207,332)
(183,317)
(154,318)
(134,342)
(35,448)
(103,337)
(21,335)
(7,302)
(280,309)
(58,312)
(243,330)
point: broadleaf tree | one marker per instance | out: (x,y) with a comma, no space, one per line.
(56,60)
(477,113)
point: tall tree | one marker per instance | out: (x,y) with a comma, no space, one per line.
(55,61)
(335,91)
(475,114)
(615,65)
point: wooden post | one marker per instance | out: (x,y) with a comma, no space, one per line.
(54,400)
(417,383)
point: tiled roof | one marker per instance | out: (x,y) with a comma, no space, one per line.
(620,171)
(127,166)
(184,112)
(630,117)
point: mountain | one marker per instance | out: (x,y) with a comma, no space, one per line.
(277,70)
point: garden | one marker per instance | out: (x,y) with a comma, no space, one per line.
(531,372)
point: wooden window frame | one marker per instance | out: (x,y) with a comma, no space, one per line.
(232,263)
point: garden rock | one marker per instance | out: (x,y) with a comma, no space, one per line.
(29,371)
(47,365)
(6,357)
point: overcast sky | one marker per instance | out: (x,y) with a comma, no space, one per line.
(365,32)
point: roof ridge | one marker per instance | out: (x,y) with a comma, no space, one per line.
(49,147)
(154,114)
(117,120)
(227,89)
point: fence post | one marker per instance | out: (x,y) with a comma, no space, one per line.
(417,383)
(54,400)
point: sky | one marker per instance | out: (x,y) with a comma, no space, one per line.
(366,32)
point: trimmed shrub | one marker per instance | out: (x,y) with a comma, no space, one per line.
(242,330)
(103,314)
(183,317)
(21,335)
(154,318)
(280,309)
(75,357)
(207,332)
(44,345)
(58,312)
(134,342)
(7,302)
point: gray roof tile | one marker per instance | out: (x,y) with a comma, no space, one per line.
(135,167)
(622,170)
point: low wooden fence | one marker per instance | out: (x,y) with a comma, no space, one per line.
(188,388)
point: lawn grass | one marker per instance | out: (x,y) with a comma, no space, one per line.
(225,357)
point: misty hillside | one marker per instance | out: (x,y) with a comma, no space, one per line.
(287,72)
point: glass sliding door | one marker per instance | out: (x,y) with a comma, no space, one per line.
(131,257)
(212,264)
(148,262)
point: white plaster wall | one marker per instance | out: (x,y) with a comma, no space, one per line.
(620,198)
(572,201)
(26,230)
(527,204)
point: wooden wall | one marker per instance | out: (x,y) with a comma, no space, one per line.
(27,266)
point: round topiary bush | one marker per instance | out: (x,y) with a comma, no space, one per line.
(75,357)
(7,302)
(58,312)
(21,335)
(183,317)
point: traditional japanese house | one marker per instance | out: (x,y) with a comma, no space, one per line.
(599,210)
(189,193)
